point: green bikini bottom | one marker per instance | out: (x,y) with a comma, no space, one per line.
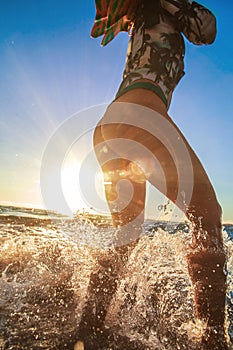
(144,85)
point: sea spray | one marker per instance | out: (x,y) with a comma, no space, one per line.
(45,269)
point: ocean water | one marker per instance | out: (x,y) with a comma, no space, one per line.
(45,263)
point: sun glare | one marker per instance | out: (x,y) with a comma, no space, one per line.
(70,186)
(82,184)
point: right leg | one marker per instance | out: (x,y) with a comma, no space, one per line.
(206,256)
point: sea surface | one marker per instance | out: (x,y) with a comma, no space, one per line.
(45,263)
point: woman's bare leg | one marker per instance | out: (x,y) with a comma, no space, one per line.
(127,220)
(206,256)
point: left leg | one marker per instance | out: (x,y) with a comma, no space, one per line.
(125,187)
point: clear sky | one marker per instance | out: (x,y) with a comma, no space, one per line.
(50,69)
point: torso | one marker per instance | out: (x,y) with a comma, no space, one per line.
(156,54)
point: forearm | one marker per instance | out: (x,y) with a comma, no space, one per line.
(196,22)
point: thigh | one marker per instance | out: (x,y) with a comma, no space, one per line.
(153,141)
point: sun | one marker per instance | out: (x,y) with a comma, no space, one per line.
(82,183)
(70,185)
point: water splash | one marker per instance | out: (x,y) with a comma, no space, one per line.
(45,270)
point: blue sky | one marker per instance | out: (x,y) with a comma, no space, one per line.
(51,69)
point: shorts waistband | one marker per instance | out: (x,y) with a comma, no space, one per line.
(144,85)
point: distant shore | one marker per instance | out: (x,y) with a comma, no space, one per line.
(23,220)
